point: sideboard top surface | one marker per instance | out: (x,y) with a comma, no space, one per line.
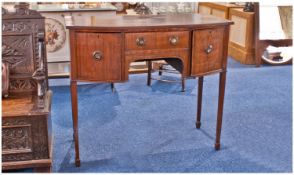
(153,21)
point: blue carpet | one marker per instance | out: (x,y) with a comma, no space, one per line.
(151,129)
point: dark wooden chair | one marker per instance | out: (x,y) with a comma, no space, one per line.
(26,122)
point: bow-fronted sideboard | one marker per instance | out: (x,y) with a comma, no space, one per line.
(103,48)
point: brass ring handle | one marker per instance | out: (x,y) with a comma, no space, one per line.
(209,49)
(140,41)
(97,55)
(173,40)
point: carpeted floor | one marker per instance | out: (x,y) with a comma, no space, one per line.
(151,129)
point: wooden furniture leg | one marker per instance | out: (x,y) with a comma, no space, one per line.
(199,102)
(112,87)
(74,102)
(149,64)
(160,70)
(183,83)
(222,85)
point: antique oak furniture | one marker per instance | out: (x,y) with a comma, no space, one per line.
(26,122)
(102,50)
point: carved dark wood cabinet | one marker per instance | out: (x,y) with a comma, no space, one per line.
(26,122)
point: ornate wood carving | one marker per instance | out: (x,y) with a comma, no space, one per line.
(16,157)
(22,134)
(18,52)
(20,26)
(5,79)
(16,138)
(8,51)
(22,84)
(25,118)
(40,142)
(39,75)
(13,122)
(23,50)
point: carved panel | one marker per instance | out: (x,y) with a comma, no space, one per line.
(41,149)
(18,51)
(22,85)
(20,26)
(16,157)
(20,47)
(19,138)
(16,138)
(13,121)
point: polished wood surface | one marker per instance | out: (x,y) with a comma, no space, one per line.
(203,62)
(106,64)
(222,84)
(74,102)
(196,44)
(157,40)
(152,22)
(19,105)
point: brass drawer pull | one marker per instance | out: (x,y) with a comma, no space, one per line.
(209,49)
(140,41)
(97,55)
(173,40)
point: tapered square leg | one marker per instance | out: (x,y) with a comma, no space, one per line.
(74,103)
(183,84)
(149,65)
(199,102)
(217,146)
(112,87)
(160,70)
(222,84)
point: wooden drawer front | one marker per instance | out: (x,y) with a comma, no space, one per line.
(98,59)
(157,40)
(207,54)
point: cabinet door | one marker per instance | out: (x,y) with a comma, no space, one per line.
(207,54)
(98,56)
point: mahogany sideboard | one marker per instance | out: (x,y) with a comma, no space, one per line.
(103,48)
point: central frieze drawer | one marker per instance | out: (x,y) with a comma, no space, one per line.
(157,40)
